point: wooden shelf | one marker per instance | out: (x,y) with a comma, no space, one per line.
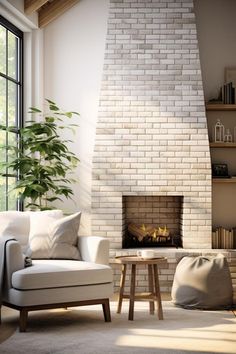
(220,107)
(223,145)
(224,180)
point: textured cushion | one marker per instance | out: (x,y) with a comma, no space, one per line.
(60,273)
(203,283)
(39,221)
(18,224)
(15,224)
(55,239)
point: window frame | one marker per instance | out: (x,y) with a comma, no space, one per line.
(19,82)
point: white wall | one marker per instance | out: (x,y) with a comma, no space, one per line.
(73,62)
(216,26)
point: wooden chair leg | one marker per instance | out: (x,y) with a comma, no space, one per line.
(151,289)
(23,319)
(106,310)
(0,314)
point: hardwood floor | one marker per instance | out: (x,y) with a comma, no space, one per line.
(9,323)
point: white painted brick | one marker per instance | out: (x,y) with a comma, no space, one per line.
(151,133)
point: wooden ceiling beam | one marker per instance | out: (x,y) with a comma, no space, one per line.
(54,9)
(33,5)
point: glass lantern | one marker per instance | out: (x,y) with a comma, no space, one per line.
(219,132)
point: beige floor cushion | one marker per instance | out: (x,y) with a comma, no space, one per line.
(202,283)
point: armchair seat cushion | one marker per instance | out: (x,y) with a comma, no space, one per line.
(60,274)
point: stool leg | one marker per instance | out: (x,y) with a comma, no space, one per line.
(132,292)
(151,288)
(157,292)
(122,285)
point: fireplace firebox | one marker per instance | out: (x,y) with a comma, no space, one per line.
(152,221)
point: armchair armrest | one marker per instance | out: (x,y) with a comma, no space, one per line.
(14,261)
(94,249)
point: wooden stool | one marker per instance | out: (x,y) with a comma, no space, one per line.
(153,282)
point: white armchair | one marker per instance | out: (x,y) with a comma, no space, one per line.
(51,283)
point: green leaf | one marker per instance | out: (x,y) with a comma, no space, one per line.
(52,199)
(49,101)
(53,107)
(34,110)
(49,119)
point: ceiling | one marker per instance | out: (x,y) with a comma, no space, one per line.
(48,10)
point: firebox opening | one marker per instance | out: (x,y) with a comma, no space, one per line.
(152,221)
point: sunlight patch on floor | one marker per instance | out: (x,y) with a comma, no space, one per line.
(215,340)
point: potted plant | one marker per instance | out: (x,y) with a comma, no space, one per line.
(42,160)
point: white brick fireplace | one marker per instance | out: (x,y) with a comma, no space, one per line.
(151,136)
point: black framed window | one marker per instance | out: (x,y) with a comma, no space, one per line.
(11,103)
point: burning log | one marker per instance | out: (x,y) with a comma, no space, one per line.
(140,231)
(149,232)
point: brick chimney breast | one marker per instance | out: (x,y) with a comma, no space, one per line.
(151,135)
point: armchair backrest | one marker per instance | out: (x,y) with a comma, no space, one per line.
(15,224)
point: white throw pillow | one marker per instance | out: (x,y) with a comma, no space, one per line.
(15,224)
(39,221)
(55,239)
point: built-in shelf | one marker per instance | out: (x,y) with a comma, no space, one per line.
(223,145)
(220,107)
(224,180)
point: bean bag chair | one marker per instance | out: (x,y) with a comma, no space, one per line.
(203,282)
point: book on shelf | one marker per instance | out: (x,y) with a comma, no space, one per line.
(224,238)
(228,93)
(234,237)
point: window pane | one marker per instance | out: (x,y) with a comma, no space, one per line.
(12,104)
(11,87)
(2,150)
(3,49)
(11,155)
(12,55)
(11,194)
(2,193)
(2,101)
